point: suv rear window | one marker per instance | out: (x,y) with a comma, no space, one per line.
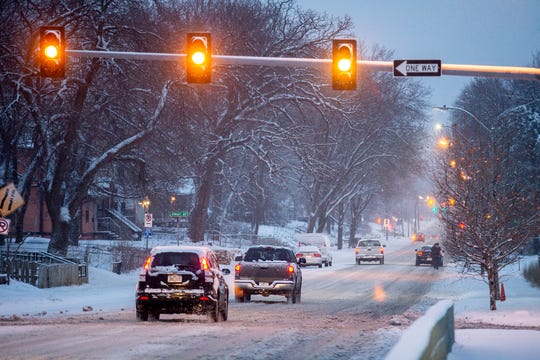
(189,260)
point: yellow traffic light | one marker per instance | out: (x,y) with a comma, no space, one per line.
(52,56)
(198,63)
(344,64)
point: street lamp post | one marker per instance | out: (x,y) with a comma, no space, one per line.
(445,108)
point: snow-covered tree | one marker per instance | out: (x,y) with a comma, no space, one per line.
(489,178)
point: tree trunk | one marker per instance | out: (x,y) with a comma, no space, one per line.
(59,238)
(491,273)
(199,214)
(341,216)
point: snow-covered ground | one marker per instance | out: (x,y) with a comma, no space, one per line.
(109,292)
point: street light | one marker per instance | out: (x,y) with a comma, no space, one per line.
(445,108)
(145,204)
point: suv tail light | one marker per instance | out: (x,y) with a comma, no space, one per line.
(316,255)
(147,262)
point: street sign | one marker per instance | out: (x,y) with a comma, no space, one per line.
(4,226)
(179,214)
(417,67)
(10,199)
(148,220)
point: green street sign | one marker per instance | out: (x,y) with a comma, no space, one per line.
(179,214)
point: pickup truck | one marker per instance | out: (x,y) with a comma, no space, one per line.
(268,270)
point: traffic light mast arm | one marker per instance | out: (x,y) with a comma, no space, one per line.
(507,72)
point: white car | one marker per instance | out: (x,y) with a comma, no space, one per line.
(322,241)
(312,254)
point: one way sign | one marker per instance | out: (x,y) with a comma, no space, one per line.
(417,67)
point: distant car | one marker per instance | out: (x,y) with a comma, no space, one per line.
(369,250)
(312,254)
(418,237)
(182,279)
(322,241)
(423,255)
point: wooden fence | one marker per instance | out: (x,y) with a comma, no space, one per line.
(43,269)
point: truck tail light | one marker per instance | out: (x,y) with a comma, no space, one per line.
(381,250)
(356,250)
(204,263)
(290,269)
(237,267)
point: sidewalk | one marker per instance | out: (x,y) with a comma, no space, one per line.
(496,344)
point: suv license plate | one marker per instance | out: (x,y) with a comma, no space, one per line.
(174,278)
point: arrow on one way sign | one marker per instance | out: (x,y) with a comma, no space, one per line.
(417,67)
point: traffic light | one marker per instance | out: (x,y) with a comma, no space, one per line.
(52,51)
(198,58)
(344,64)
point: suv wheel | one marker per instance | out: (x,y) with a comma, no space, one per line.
(214,313)
(225,311)
(142,315)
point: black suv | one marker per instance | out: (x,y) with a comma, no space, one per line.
(182,280)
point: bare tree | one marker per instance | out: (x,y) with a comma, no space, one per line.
(93,117)
(488,182)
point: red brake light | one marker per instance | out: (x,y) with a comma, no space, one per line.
(204,298)
(204,263)
(299,255)
(237,267)
(317,255)
(143,297)
(381,250)
(420,253)
(290,269)
(147,262)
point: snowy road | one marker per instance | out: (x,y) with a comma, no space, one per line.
(347,311)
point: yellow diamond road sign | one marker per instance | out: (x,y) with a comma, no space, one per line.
(10,199)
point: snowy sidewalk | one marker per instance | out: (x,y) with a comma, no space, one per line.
(496,344)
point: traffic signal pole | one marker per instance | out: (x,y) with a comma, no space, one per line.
(506,72)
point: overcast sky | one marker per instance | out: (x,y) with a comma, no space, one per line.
(482,32)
